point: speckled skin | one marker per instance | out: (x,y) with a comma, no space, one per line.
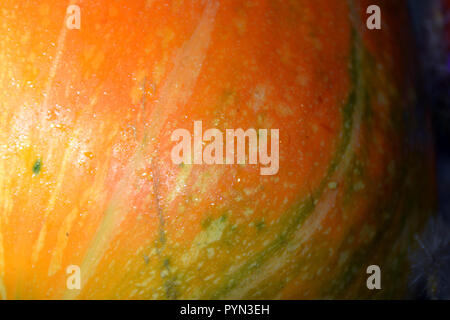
(86,176)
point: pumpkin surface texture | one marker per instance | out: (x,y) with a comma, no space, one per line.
(88,180)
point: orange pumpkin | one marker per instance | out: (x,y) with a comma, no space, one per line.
(87,177)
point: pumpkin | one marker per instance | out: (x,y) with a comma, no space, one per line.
(87,179)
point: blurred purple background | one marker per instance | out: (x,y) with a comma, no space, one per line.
(431,262)
(430,21)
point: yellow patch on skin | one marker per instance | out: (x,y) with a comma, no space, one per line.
(39,244)
(212,234)
(136,94)
(88,52)
(3,295)
(167,36)
(25,37)
(6,199)
(210,252)
(98,60)
(210,177)
(51,203)
(159,70)
(249,191)
(2,257)
(92,57)
(181,181)
(61,242)
(332,185)
(145,283)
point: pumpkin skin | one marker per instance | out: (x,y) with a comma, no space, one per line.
(87,179)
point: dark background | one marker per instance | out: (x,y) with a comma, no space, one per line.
(431,23)
(431,263)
